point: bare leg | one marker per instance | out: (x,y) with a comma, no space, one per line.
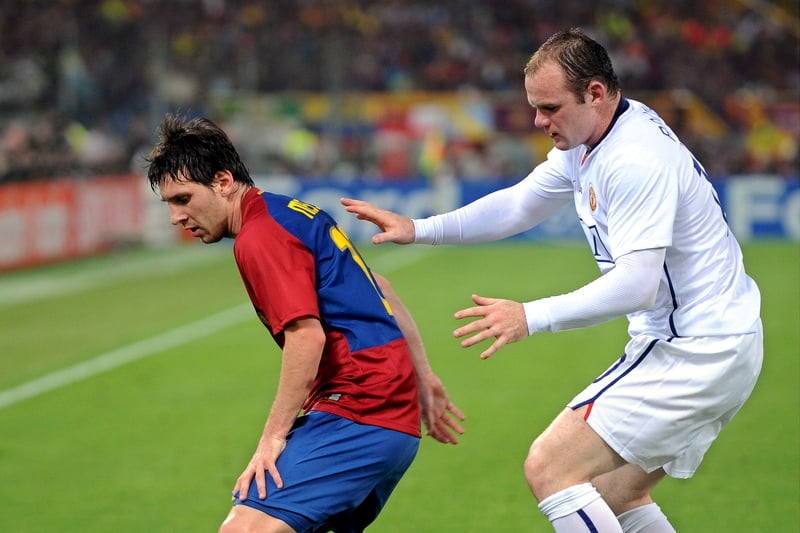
(560,465)
(567,453)
(627,487)
(246,519)
(627,490)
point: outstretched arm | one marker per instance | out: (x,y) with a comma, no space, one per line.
(440,415)
(495,216)
(630,286)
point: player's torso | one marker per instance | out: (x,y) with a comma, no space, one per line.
(365,371)
(640,189)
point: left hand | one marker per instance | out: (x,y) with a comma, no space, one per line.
(502,319)
(441,416)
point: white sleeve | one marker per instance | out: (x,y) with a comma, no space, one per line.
(495,216)
(630,286)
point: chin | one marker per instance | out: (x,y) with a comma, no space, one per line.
(563,144)
(210,239)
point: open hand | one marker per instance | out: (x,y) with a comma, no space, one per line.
(441,416)
(502,319)
(394,228)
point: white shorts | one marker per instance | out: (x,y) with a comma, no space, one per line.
(663,403)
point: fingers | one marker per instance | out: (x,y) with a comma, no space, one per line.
(503,320)
(393,227)
(452,422)
(444,432)
(482,309)
(242,486)
(491,350)
(457,412)
(261,483)
(479,327)
(352,202)
(366,211)
(276,476)
(441,435)
(444,427)
(363,210)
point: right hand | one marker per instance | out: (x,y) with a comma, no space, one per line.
(262,463)
(394,228)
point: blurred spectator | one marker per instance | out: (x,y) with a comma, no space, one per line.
(83,82)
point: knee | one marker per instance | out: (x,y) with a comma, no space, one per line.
(246,519)
(236,522)
(536,471)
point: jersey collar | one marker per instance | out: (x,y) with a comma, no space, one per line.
(623,106)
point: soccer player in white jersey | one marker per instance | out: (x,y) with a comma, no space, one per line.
(669,263)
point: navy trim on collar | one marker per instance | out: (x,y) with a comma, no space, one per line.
(623,106)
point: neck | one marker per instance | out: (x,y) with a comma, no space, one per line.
(235,222)
(607,113)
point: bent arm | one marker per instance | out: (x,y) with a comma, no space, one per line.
(438,412)
(302,351)
(630,286)
(304,340)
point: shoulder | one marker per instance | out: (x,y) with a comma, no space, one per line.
(642,128)
(641,141)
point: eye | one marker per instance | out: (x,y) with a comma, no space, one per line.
(182,199)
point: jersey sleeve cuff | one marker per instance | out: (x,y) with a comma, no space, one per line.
(537,316)
(424,231)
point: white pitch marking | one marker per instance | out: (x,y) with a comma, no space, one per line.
(126,354)
(387,262)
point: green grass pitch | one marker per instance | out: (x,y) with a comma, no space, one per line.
(124,408)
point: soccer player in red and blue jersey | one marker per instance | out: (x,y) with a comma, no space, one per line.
(353,363)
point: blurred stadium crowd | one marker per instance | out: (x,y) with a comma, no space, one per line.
(383,89)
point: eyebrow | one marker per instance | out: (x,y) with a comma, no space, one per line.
(172,197)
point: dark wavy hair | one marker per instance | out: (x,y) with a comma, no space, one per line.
(193,150)
(582,58)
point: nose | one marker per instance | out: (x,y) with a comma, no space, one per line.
(540,120)
(176,216)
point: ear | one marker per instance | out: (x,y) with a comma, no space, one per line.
(597,91)
(223,182)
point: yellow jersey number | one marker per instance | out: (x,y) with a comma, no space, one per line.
(343,243)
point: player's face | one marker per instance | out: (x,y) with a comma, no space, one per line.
(198,209)
(568,122)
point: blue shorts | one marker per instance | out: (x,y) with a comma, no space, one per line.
(337,474)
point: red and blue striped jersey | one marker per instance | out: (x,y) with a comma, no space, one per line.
(295,263)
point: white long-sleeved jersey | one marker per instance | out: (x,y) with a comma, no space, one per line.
(638,189)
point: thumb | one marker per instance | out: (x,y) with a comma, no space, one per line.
(482,300)
(380,238)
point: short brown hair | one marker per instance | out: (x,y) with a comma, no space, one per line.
(582,58)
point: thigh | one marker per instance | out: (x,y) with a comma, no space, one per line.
(329,467)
